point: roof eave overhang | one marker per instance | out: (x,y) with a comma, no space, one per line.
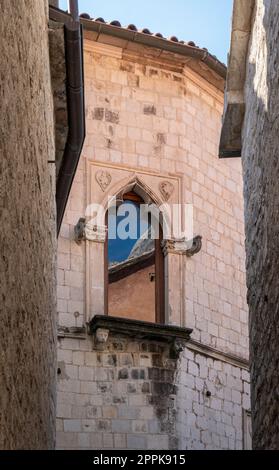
(159,43)
(150,40)
(234,109)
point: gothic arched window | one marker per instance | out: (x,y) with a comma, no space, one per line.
(134,268)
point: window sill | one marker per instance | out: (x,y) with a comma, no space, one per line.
(139,329)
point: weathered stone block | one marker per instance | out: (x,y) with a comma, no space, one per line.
(121,425)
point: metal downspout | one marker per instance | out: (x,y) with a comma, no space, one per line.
(76,111)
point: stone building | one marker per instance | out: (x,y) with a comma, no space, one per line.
(36,132)
(152,346)
(28,230)
(250,130)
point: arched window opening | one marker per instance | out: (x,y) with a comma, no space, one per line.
(134,268)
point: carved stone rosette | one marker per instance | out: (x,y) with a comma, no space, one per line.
(103,179)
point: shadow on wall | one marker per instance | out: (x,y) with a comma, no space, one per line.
(261,194)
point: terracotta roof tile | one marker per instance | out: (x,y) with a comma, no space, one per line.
(132,27)
(86,16)
(146,31)
(101,20)
(115,23)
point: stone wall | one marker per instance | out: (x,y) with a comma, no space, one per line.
(186,121)
(58,82)
(27,238)
(261,194)
(135,305)
(213,398)
(122,396)
(158,119)
(134,394)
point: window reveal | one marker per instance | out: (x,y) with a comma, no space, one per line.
(134,264)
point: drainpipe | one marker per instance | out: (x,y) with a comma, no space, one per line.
(73,9)
(76,110)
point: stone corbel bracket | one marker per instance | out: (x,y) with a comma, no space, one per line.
(176,348)
(196,246)
(101,335)
(89,231)
(80,231)
(183,247)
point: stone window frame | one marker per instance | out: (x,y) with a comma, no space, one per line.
(160,285)
(174,250)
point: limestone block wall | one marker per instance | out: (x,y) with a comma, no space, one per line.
(143,116)
(213,400)
(28,231)
(161,119)
(134,394)
(122,396)
(260,168)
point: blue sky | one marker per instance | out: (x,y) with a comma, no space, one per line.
(206,22)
